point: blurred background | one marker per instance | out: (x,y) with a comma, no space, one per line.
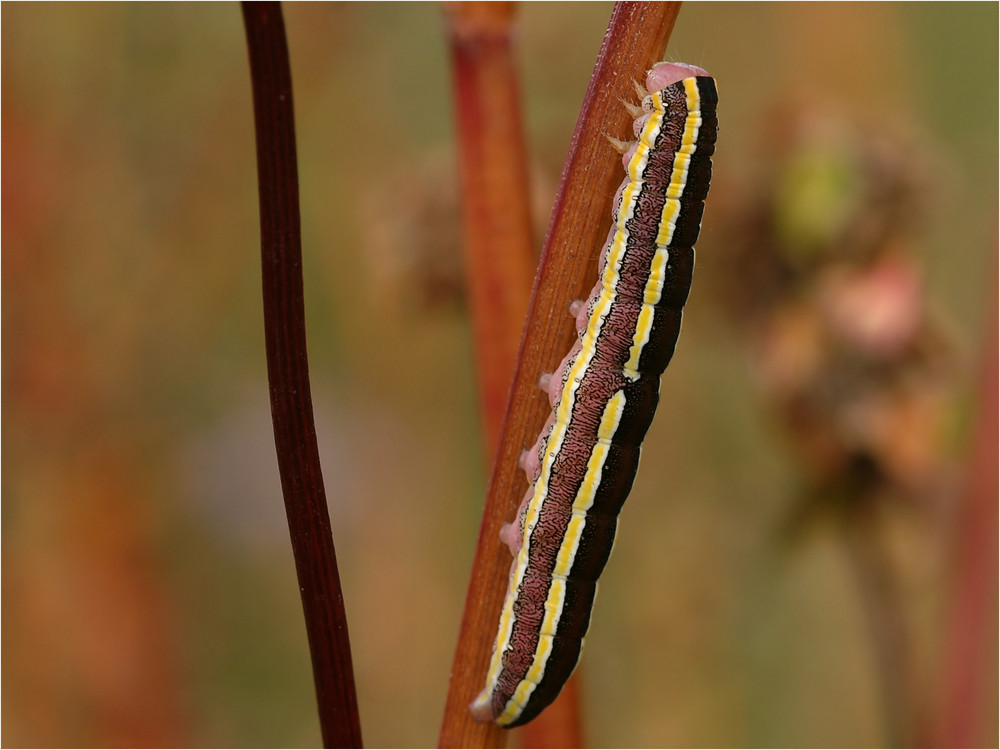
(149,595)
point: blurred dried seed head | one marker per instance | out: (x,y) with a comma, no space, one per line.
(821,278)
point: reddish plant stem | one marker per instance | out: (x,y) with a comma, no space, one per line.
(561,724)
(636,37)
(499,247)
(496,212)
(288,377)
(967,714)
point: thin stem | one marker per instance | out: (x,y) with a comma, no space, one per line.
(288,377)
(889,631)
(967,710)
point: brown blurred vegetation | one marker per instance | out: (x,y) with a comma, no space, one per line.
(149,595)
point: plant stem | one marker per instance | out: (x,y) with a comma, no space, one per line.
(967,711)
(288,377)
(496,210)
(889,630)
(499,247)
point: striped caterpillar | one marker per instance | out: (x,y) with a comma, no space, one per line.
(603,396)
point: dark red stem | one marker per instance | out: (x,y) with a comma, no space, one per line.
(288,377)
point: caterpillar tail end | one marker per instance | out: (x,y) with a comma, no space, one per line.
(482,707)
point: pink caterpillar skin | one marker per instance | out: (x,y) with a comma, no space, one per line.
(603,397)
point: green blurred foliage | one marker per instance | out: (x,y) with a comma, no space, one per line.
(135,400)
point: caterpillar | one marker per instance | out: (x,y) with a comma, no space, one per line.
(603,396)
